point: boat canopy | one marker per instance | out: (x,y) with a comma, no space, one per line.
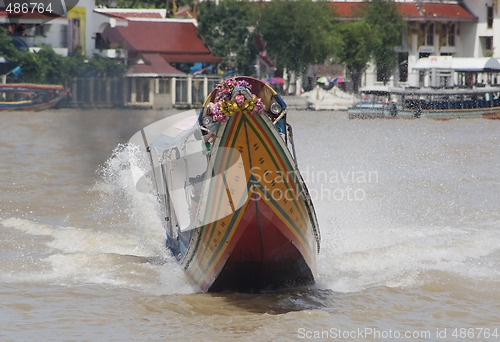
(376,90)
(460,64)
(444,91)
(387,91)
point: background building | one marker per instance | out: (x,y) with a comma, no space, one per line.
(436,28)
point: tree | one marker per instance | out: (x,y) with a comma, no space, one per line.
(297,33)
(386,25)
(54,70)
(226,30)
(46,66)
(355,48)
(7,49)
(9,52)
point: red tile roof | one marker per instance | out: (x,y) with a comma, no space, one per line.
(190,58)
(446,11)
(168,38)
(347,9)
(410,11)
(154,65)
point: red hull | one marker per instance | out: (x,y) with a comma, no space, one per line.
(264,257)
(253,226)
(271,240)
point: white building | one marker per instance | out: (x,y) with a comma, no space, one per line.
(64,29)
(437,28)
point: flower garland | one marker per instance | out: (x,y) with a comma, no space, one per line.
(234,97)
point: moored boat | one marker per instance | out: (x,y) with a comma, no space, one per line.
(237,211)
(30,97)
(440,104)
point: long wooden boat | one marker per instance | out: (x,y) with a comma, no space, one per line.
(440,104)
(30,97)
(237,211)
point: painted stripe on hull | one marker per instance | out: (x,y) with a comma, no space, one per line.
(270,178)
(263,258)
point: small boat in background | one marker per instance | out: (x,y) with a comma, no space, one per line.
(30,97)
(431,103)
(237,212)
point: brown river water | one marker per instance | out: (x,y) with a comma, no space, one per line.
(409,212)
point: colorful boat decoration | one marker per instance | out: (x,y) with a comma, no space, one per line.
(238,214)
(30,97)
(439,104)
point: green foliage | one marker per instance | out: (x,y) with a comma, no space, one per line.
(7,49)
(386,26)
(297,33)
(303,32)
(225,29)
(373,38)
(46,66)
(355,48)
(101,66)
(78,65)
(33,69)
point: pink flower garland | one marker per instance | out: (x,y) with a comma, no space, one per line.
(226,105)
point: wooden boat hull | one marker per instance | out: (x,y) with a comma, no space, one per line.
(39,96)
(28,106)
(237,212)
(271,240)
(492,115)
(264,256)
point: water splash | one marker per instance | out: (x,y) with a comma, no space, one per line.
(401,234)
(122,243)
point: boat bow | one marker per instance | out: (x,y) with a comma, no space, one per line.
(237,211)
(267,236)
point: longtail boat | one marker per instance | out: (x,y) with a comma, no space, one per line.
(30,97)
(238,214)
